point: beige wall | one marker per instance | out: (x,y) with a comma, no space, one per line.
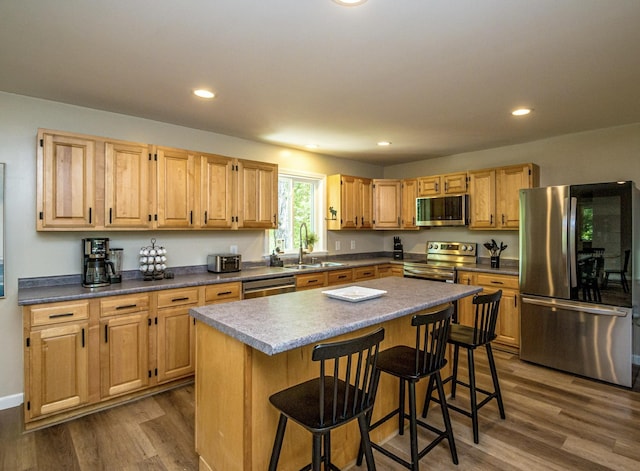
(596,156)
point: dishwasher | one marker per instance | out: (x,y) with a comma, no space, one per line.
(268,286)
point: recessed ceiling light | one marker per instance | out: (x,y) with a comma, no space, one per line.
(312,146)
(204,93)
(521,111)
(384,143)
(349,3)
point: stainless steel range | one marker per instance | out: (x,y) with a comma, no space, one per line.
(442,260)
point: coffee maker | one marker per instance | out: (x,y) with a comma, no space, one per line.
(97,268)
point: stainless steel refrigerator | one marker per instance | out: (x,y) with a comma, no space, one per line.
(578,280)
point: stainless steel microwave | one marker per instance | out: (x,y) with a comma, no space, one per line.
(442,210)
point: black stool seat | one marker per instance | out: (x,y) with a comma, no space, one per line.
(331,400)
(471,338)
(294,403)
(410,365)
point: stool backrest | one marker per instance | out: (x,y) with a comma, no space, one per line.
(487,307)
(432,332)
(352,363)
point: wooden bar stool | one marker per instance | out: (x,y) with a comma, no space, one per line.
(410,365)
(345,393)
(470,338)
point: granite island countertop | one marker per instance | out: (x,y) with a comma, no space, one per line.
(284,322)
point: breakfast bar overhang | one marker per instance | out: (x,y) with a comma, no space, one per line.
(248,350)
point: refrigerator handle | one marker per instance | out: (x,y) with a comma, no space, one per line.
(573,276)
(568,305)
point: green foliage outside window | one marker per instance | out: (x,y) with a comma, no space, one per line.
(586,224)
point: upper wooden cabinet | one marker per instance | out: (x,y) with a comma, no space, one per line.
(494,195)
(352,198)
(387,198)
(127,185)
(95,183)
(438,185)
(66,182)
(408,205)
(257,195)
(216,191)
(176,189)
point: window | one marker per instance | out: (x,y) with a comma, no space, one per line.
(300,200)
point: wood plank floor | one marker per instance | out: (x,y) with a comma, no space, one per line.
(554,421)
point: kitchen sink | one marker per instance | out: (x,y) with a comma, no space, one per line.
(303,266)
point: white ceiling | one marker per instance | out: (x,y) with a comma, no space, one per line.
(435,77)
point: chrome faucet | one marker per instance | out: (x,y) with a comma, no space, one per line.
(306,242)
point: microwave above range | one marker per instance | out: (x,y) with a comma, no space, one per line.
(442,210)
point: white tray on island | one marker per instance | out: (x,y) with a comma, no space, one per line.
(354,293)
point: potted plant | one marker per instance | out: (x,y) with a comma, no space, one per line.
(312,238)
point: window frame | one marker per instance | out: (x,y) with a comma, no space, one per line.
(320,180)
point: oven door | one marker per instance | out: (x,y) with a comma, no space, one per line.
(426,272)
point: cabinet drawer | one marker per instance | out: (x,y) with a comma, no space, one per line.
(118,305)
(340,276)
(385,270)
(56,313)
(364,273)
(223,291)
(499,281)
(177,297)
(311,280)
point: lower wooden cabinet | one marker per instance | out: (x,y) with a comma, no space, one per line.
(124,354)
(365,273)
(508,325)
(82,356)
(311,280)
(390,269)
(58,363)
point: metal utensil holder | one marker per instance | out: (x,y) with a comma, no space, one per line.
(153,261)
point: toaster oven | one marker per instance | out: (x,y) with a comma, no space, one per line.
(223,263)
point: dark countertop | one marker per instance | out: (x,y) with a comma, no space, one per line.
(284,322)
(75,291)
(39,293)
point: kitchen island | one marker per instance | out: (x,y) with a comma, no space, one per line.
(248,350)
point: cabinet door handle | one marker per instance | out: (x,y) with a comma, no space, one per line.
(106,334)
(190,217)
(110,215)
(223,293)
(312,281)
(83,337)
(275,219)
(491,219)
(515,300)
(205,217)
(503,219)
(126,306)
(341,276)
(55,316)
(184,298)
(494,282)
(437,187)
(90,215)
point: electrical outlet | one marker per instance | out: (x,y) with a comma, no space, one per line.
(353,244)
(233,249)
(337,245)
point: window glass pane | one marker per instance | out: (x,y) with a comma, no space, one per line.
(298,203)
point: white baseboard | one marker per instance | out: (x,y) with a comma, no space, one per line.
(7,402)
